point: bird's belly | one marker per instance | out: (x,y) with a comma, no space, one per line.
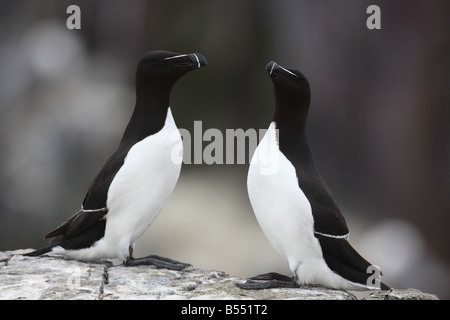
(141,187)
(285,218)
(280,206)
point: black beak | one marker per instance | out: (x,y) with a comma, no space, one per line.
(198,59)
(194,60)
(271,66)
(275,69)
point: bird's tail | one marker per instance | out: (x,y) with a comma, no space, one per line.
(384,286)
(40,251)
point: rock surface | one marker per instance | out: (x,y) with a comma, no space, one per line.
(55,278)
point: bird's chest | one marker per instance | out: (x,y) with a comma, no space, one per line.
(280,206)
(148,176)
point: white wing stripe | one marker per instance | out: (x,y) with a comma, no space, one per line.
(345,236)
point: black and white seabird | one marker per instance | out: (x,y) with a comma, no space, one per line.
(292,203)
(135,182)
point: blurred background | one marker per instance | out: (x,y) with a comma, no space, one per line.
(379,122)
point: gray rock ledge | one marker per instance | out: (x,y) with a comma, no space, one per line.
(55,278)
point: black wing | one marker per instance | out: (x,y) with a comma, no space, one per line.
(344,260)
(330,227)
(87,225)
(94,207)
(327,216)
(328,219)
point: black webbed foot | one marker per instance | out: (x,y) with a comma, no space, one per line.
(268,281)
(271,276)
(158,262)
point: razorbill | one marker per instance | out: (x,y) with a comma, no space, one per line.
(294,206)
(135,182)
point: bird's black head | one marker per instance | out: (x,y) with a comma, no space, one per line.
(292,95)
(161,69)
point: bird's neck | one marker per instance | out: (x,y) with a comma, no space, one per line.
(294,144)
(148,117)
(290,118)
(152,98)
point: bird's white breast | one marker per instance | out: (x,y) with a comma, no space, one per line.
(281,208)
(143,184)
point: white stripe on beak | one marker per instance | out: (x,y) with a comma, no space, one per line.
(174,57)
(273,67)
(198,60)
(185,55)
(287,71)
